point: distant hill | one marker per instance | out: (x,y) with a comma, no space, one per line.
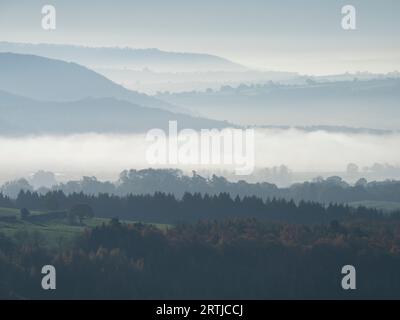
(154,59)
(369,104)
(55,80)
(19,116)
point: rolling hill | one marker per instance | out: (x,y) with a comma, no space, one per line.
(370,103)
(152,58)
(55,80)
(100,115)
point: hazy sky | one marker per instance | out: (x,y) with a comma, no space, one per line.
(304,36)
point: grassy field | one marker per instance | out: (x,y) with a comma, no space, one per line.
(7,212)
(51,231)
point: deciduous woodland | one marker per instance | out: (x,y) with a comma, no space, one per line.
(236,258)
(211,247)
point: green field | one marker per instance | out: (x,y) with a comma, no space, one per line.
(6,212)
(51,231)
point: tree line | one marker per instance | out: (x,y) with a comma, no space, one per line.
(166,208)
(149,181)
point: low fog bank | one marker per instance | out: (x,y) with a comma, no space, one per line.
(305,154)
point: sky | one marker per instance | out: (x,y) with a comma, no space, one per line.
(288,35)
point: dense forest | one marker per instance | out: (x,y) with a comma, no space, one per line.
(231,259)
(198,246)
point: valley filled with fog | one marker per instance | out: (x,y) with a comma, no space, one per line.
(313,153)
(67,119)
